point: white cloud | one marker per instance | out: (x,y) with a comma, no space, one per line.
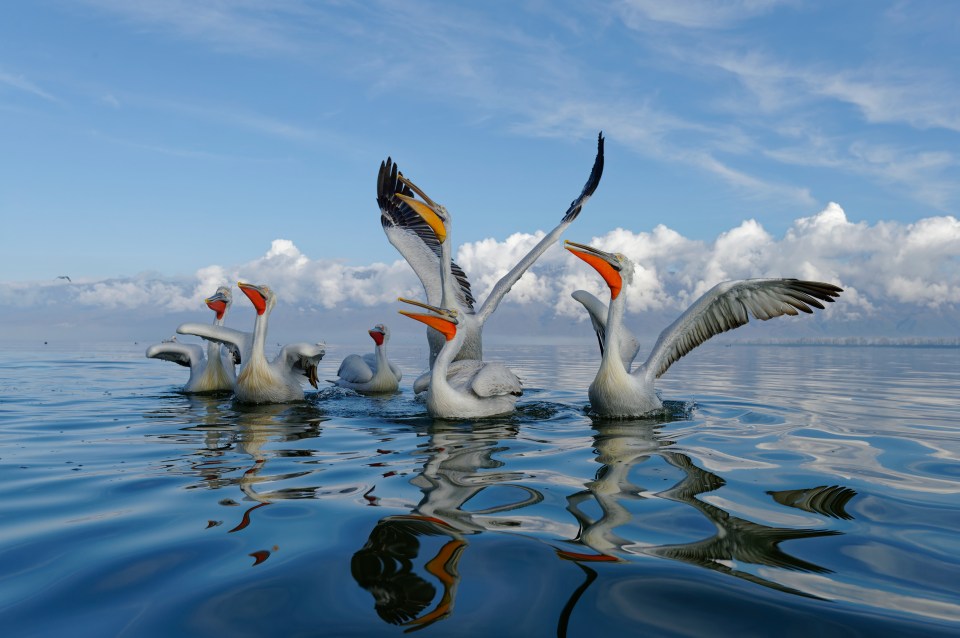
(700,14)
(22,84)
(885,268)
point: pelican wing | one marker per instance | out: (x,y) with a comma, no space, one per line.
(503,286)
(303,357)
(728,305)
(459,375)
(495,379)
(629,346)
(184,354)
(238,342)
(414,239)
(355,369)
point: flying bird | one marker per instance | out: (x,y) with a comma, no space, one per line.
(371,373)
(619,392)
(210,372)
(65,277)
(259,380)
(420,230)
(474,389)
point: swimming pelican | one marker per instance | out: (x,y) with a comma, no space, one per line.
(260,381)
(617,392)
(209,373)
(421,230)
(371,373)
(478,389)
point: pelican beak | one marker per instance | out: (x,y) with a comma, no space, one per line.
(256,295)
(443,321)
(377,335)
(604,263)
(426,209)
(217,303)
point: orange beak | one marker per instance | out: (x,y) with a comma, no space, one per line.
(444,321)
(255,295)
(603,263)
(217,303)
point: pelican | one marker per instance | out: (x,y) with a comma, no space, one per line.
(260,381)
(616,391)
(477,389)
(209,373)
(420,231)
(370,373)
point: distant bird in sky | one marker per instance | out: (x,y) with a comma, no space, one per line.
(619,392)
(65,277)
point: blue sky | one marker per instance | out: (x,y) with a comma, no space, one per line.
(167,137)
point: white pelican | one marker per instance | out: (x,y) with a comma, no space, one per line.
(420,230)
(260,381)
(209,373)
(477,389)
(617,392)
(371,373)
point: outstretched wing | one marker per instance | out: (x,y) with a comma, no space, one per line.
(414,239)
(503,286)
(628,345)
(303,357)
(728,305)
(239,342)
(184,354)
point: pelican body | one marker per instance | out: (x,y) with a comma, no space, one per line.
(617,392)
(212,372)
(420,229)
(476,389)
(370,373)
(260,380)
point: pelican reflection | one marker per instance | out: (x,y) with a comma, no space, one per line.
(737,542)
(394,566)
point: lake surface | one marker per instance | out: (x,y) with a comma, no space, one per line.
(794,491)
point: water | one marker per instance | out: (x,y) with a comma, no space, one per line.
(795,490)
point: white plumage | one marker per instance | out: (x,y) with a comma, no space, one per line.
(370,373)
(259,380)
(210,372)
(476,388)
(617,392)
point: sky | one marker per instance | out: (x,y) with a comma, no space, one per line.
(152,150)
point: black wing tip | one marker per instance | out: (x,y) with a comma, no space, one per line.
(592,183)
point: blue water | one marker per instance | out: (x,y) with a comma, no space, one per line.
(795,491)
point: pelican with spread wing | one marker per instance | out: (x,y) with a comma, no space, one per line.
(616,391)
(259,380)
(420,229)
(210,372)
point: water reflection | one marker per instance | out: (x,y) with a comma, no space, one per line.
(405,552)
(736,545)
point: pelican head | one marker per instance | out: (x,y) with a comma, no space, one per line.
(220,301)
(615,268)
(434,214)
(379,333)
(262,297)
(442,320)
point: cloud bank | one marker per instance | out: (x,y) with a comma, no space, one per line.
(889,271)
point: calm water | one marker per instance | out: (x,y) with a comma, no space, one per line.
(796,490)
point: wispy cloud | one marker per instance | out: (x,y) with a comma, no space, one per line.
(21,83)
(699,14)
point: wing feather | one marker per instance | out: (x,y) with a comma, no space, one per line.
(729,305)
(184,354)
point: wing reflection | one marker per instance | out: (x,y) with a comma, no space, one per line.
(459,467)
(737,542)
(828,500)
